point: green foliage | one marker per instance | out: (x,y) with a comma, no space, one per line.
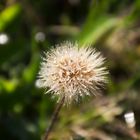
(111,26)
(8,15)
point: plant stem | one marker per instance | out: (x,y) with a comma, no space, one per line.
(54,118)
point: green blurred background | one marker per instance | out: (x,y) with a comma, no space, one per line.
(29,27)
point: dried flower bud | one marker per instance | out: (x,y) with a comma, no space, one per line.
(70,71)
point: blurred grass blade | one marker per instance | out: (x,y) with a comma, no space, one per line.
(8,15)
(96,30)
(29,74)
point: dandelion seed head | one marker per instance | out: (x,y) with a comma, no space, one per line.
(72,71)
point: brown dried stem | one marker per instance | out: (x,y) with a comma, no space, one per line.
(54,118)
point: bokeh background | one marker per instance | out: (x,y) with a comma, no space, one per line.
(29,27)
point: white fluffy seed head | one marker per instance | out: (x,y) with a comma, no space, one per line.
(71,71)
